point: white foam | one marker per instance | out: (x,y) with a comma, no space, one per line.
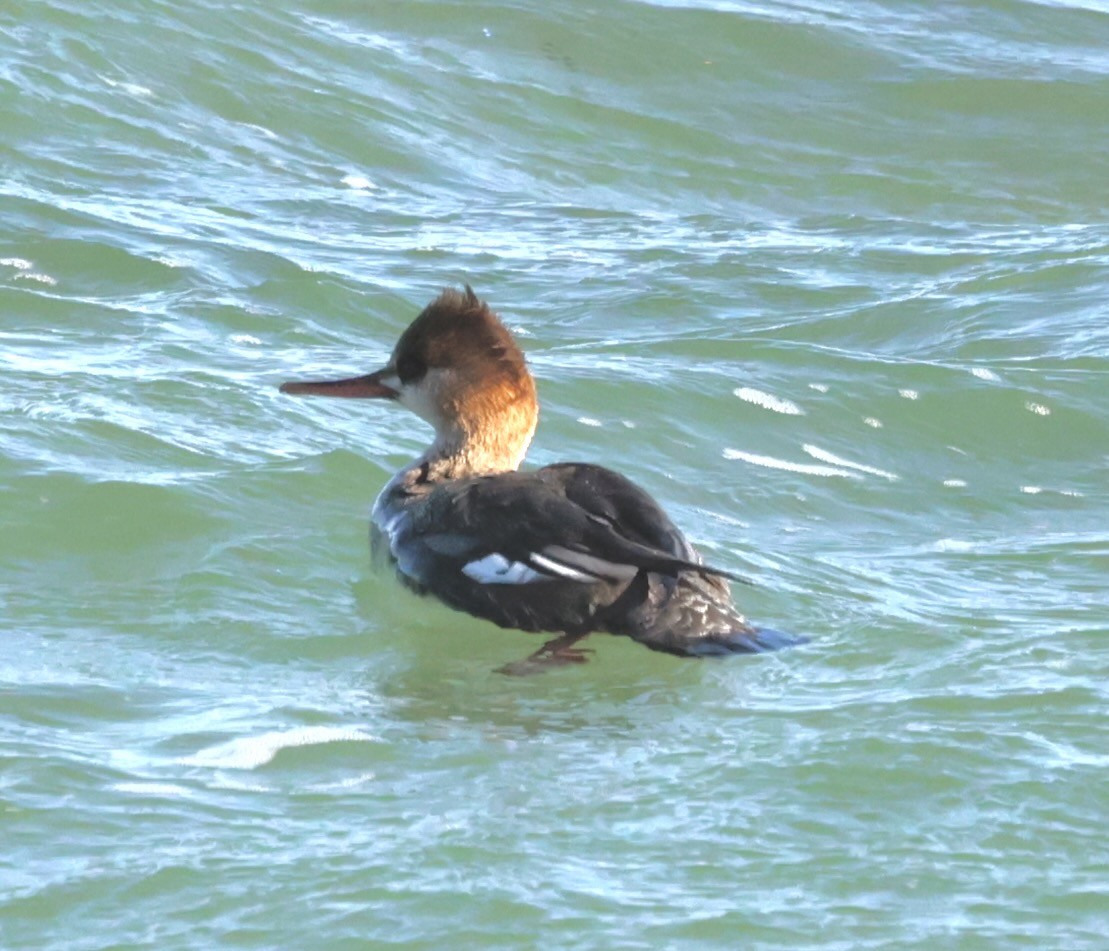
(819,387)
(824,456)
(245,338)
(268,133)
(358,183)
(133,89)
(348,782)
(151,789)
(768,401)
(250,752)
(1038,408)
(771,463)
(36,276)
(1031,489)
(169,260)
(983,374)
(953,544)
(910,394)
(873,422)
(589,421)
(955,483)
(20,264)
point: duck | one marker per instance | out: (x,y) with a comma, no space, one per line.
(569,549)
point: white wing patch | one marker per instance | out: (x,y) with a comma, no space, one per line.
(563,571)
(584,567)
(496,569)
(554,563)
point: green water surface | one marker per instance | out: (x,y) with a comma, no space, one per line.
(829,279)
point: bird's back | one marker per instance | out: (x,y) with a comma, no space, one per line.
(570,548)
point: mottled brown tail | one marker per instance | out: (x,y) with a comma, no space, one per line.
(691,615)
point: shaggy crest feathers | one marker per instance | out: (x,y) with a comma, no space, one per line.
(457,330)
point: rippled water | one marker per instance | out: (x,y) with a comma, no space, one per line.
(829,279)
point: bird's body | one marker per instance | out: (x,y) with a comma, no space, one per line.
(570,549)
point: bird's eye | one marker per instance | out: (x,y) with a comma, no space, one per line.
(411,368)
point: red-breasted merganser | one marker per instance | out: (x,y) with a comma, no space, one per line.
(570,549)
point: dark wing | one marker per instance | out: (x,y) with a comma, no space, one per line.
(622,507)
(570,548)
(543,550)
(569,521)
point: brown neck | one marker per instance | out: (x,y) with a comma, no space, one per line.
(474,447)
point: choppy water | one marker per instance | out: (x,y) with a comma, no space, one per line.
(828,278)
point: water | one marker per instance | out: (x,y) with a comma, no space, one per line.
(829,279)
